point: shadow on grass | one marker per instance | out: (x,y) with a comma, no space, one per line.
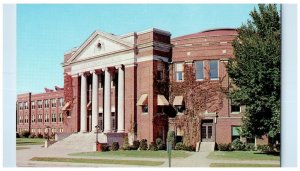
(274,153)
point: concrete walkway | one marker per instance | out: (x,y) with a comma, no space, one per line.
(197,159)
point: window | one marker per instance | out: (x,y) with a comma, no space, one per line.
(214,70)
(26,119)
(61,102)
(32,105)
(68,113)
(40,104)
(60,118)
(20,119)
(46,103)
(145,108)
(235,109)
(199,70)
(32,118)
(53,102)
(179,71)
(53,119)
(235,132)
(47,118)
(26,105)
(180,109)
(21,106)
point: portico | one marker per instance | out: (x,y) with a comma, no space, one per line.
(106,98)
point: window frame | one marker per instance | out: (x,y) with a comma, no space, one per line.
(201,79)
(176,72)
(218,70)
(143,107)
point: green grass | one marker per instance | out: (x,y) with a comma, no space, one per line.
(21,148)
(242,165)
(99,161)
(30,141)
(133,153)
(242,155)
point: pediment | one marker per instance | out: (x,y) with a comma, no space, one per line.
(99,43)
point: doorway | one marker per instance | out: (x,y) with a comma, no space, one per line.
(207,131)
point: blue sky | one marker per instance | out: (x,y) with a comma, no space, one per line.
(45,32)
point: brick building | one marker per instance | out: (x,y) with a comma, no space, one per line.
(36,112)
(142,84)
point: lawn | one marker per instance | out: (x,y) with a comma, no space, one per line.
(99,161)
(242,165)
(30,141)
(242,155)
(21,148)
(134,153)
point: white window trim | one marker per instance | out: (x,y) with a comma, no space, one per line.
(236,112)
(175,71)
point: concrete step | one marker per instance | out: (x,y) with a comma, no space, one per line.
(207,146)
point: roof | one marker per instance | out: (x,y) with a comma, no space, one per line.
(210,32)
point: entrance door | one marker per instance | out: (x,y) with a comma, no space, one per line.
(207,132)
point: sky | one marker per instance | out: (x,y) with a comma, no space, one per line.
(45,32)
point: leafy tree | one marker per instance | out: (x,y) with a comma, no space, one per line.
(255,71)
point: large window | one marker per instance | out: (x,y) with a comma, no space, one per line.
(40,104)
(32,105)
(179,76)
(235,132)
(46,103)
(32,118)
(60,117)
(199,70)
(214,69)
(53,119)
(21,106)
(53,102)
(61,102)
(26,105)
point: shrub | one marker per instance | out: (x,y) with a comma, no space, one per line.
(224,147)
(264,148)
(143,144)
(190,148)
(249,147)
(17,135)
(179,146)
(238,145)
(135,145)
(153,146)
(277,147)
(171,136)
(39,136)
(25,134)
(115,146)
(31,136)
(160,144)
(126,145)
(105,147)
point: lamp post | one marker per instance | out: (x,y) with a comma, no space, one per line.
(97,131)
(48,128)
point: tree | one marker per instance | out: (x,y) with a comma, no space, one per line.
(255,71)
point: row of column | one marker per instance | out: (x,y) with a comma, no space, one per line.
(107,104)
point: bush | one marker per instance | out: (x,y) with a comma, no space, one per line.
(238,145)
(135,145)
(153,146)
(250,147)
(179,146)
(39,136)
(264,148)
(160,144)
(224,147)
(25,134)
(105,147)
(190,148)
(115,146)
(17,135)
(126,145)
(143,144)
(31,136)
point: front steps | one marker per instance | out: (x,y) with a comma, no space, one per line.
(87,141)
(207,146)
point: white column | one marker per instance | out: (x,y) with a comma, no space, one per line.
(83,101)
(107,113)
(94,101)
(121,127)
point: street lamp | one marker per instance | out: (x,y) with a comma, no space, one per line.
(97,131)
(48,127)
